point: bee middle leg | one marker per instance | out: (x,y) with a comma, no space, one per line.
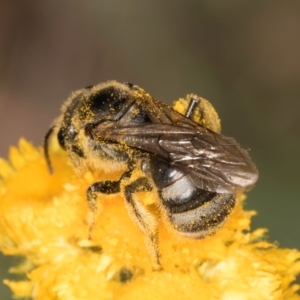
(143,217)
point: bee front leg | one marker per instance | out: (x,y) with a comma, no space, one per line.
(103,187)
(143,217)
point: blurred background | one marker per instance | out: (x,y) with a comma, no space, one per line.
(244,56)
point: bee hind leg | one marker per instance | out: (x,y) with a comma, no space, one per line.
(143,217)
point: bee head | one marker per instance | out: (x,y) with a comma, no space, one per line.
(106,102)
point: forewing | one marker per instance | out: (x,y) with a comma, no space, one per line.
(215,162)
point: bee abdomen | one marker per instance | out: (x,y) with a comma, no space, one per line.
(195,212)
(205,219)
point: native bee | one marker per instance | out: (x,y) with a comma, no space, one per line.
(195,171)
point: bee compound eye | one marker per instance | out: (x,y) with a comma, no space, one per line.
(61,138)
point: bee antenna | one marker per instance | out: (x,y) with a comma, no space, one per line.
(46,149)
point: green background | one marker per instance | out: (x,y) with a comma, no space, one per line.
(242,55)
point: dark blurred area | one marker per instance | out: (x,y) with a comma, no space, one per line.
(244,56)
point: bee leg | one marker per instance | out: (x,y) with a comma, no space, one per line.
(191,107)
(200,111)
(104,187)
(143,217)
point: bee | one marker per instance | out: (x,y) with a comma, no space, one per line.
(195,171)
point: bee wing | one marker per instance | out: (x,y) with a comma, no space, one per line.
(215,162)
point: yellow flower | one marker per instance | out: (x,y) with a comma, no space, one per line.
(43,219)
